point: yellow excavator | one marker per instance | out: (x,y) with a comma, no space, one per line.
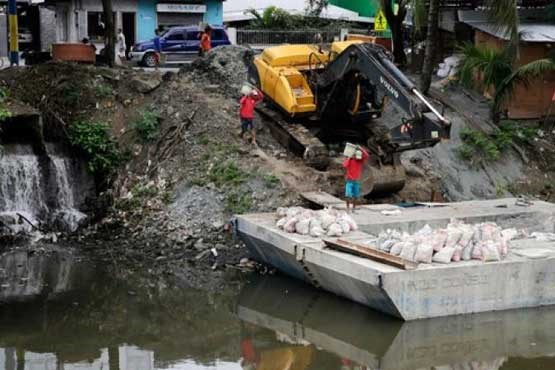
(318,99)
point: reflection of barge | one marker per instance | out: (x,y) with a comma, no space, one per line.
(307,316)
(521,280)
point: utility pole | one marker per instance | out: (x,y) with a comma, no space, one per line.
(14,42)
(110,36)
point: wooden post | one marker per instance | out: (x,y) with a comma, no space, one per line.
(110,36)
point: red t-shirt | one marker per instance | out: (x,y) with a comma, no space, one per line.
(248,103)
(353,166)
(205,42)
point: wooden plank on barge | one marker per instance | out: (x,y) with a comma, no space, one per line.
(321,198)
(370,253)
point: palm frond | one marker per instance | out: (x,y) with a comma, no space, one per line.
(523,75)
(504,15)
(483,66)
(254,13)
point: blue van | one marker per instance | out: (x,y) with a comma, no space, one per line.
(178,44)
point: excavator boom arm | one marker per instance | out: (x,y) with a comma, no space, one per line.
(427,125)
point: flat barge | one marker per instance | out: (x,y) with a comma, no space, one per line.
(525,278)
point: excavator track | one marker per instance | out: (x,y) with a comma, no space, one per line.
(376,179)
(296,138)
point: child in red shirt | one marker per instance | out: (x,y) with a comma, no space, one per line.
(246,112)
(353,170)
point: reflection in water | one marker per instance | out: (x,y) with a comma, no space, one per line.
(296,326)
(275,324)
(26,275)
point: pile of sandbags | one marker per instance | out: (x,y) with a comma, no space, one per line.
(459,241)
(325,222)
(449,67)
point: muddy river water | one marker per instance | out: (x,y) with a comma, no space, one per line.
(267,323)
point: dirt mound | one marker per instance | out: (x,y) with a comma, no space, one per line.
(225,66)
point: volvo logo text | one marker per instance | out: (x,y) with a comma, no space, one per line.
(390,88)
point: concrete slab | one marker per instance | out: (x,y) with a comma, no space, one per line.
(430,290)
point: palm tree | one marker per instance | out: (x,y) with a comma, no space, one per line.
(523,75)
(431,43)
(496,68)
(494,72)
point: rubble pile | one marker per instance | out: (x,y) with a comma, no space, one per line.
(225,66)
(458,242)
(325,222)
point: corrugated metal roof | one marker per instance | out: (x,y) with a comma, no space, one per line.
(533,32)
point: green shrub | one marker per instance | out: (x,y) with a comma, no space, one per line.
(479,147)
(71,94)
(100,149)
(104,91)
(224,173)
(4,111)
(238,203)
(147,125)
(271,180)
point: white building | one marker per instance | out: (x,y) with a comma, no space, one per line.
(234,10)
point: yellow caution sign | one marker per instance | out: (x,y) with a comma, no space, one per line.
(380,22)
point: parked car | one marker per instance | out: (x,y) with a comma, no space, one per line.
(178,44)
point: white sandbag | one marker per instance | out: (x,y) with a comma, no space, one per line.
(444,255)
(453,236)
(317,231)
(408,252)
(439,239)
(466,237)
(294,211)
(315,222)
(352,223)
(489,231)
(290,224)
(467,252)
(478,251)
(387,244)
(281,222)
(334,230)
(491,251)
(443,72)
(303,226)
(424,253)
(397,248)
(509,234)
(344,225)
(326,220)
(457,254)
(452,61)
(282,211)
(426,230)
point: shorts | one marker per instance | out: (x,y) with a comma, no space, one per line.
(247,124)
(352,189)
